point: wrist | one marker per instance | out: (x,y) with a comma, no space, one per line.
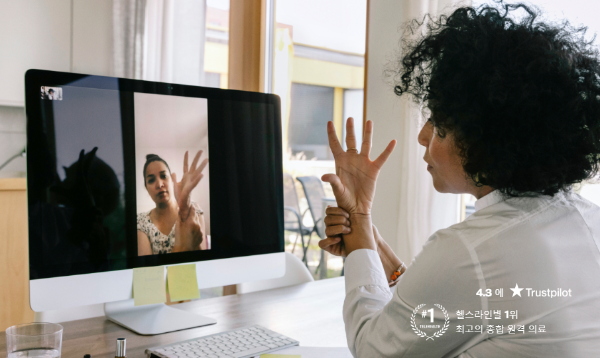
(390,261)
(378,239)
(361,236)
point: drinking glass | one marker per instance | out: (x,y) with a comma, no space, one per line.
(40,340)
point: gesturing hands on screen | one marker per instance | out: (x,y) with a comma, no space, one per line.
(189,229)
(191,178)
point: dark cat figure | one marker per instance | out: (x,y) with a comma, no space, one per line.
(91,189)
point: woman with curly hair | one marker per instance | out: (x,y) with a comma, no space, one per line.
(514,120)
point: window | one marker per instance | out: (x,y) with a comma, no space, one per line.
(318,72)
(311,108)
(216,47)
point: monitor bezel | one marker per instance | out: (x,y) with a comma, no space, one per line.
(34,79)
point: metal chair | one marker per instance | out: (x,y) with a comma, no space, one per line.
(314,192)
(291,214)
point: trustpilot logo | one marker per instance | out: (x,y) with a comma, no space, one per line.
(549,293)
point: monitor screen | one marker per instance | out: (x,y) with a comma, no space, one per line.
(128,173)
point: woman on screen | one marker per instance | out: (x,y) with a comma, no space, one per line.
(514,121)
(176,224)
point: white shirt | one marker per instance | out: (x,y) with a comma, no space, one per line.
(538,243)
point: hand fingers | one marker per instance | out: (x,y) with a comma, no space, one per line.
(191,184)
(202,165)
(334,210)
(334,143)
(175,185)
(350,136)
(337,230)
(195,161)
(383,157)
(185,163)
(196,180)
(333,245)
(365,148)
(332,220)
(336,184)
(326,243)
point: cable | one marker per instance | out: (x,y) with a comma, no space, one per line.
(20,154)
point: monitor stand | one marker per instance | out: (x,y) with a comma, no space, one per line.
(153,319)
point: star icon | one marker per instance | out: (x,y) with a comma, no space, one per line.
(517,290)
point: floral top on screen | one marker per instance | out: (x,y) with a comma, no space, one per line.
(160,243)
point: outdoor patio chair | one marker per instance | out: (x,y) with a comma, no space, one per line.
(292,216)
(314,192)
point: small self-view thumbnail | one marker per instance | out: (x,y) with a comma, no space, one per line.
(51,93)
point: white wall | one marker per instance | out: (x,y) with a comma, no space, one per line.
(35,34)
(383,108)
(92,37)
(59,35)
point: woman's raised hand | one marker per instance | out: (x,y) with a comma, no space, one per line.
(354,182)
(190,179)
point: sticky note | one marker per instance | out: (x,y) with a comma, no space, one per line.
(149,285)
(279,356)
(182,282)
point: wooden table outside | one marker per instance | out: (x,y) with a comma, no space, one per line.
(310,313)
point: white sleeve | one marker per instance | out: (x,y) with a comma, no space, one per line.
(367,292)
(378,320)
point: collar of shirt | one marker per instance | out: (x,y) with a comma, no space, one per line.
(488,200)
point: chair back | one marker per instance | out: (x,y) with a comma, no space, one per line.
(314,192)
(290,200)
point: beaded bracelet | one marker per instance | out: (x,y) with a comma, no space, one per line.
(396,275)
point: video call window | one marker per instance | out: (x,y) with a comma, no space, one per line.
(51,93)
(172,176)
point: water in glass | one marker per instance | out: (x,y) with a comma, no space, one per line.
(37,353)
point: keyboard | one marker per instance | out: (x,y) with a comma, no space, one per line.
(244,342)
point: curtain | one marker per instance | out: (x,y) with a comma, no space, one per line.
(407,209)
(423,210)
(128,37)
(160,40)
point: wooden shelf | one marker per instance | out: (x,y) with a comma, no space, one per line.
(14,257)
(7,184)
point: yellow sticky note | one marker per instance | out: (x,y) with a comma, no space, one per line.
(279,356)
(149,285)
(183,284)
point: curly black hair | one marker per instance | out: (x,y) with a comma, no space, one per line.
(520,96)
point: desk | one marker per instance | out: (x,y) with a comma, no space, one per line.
(310,313)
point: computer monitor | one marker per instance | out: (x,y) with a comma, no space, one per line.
(100,203)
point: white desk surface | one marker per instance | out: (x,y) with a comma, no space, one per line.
(310,313)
